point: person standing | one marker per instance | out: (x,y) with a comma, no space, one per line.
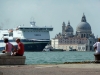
(8,48)
(20,48)
(97,46)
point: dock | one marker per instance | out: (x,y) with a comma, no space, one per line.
(52,69)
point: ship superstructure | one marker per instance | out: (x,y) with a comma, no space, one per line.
(34,38)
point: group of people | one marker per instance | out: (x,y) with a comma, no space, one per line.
(10,49)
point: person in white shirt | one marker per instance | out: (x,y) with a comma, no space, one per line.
(97,46)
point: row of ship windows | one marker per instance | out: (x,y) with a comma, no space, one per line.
(22,35)
(35,31)
(36,28)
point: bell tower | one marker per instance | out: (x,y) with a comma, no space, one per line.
(63,27)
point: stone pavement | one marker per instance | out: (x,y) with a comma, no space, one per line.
(52,69)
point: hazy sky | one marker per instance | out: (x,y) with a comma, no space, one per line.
(50,12)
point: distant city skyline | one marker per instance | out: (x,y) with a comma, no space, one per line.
(50,13)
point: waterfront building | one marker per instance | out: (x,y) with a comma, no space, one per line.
(82,40)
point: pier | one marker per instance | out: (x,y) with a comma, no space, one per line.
(51,69)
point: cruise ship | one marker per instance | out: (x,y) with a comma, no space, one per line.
(33,37)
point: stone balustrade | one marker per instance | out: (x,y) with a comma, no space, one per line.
(12,60)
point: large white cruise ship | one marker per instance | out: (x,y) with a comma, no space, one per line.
(34,38)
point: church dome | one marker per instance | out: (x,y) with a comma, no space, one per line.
(83,25)
(68,28)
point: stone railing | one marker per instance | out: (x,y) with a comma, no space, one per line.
(12,60)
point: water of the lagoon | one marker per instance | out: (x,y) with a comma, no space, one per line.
(57,57)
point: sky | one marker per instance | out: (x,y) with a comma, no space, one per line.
(50,13)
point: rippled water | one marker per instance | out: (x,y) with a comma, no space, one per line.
(57,57)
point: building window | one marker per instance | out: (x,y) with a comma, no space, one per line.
(91,48)
(90,42)
(83,48)
(84,35)
(79,48)
(76,47)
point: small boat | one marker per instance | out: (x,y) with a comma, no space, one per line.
(50,48)
(47,48)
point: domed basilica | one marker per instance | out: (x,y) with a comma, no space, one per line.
(82,40)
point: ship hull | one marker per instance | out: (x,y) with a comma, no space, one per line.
(30,45)
(35,47)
